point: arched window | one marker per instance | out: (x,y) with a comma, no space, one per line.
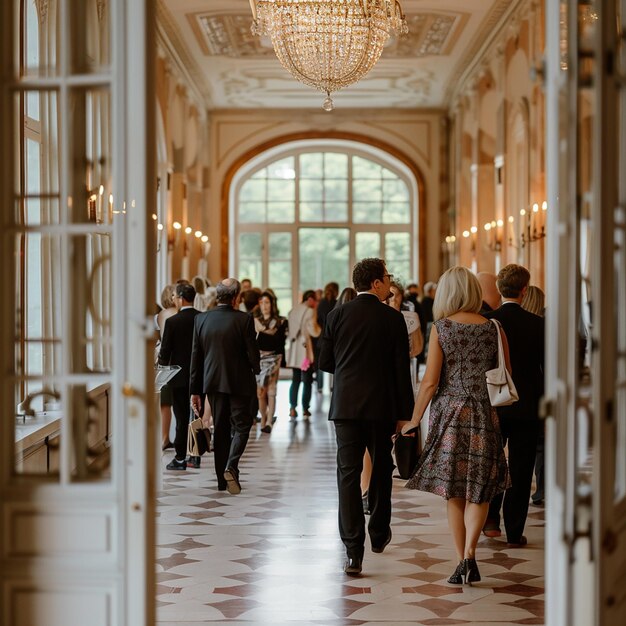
(303,214)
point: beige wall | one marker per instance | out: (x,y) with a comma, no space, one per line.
(498,108)
(236,136)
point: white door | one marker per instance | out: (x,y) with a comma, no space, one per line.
(609,328)
(77,189)
(586,338)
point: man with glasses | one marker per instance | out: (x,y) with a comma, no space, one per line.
(365,345)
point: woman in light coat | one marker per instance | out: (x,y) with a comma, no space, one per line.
(302,327)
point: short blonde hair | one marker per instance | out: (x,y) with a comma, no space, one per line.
(167,296)
(457,290)
(534,300)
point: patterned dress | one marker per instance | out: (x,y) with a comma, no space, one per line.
(463,455)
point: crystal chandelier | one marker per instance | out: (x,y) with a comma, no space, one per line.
(328,44)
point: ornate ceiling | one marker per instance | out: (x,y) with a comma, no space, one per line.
(239,70)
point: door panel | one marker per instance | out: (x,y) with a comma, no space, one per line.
(77,408)
(608,214)
(586,149)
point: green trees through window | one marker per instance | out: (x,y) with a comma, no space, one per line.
(304,219)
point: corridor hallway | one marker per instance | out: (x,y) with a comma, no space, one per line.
(272,554)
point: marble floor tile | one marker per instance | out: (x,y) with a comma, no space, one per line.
(272,554)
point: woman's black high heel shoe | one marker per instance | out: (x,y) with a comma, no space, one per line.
(470,573)
(457,577)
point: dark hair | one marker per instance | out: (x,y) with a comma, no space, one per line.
(186,292)
(366,271)
(511,280)
(331,290)
(309,293)
(227,290)
(250,298)
(273,307)
(346,295)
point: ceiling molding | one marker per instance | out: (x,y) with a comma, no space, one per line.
(486,38)
(227,33)
(169,38)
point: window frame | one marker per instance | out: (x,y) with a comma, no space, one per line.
(296,149)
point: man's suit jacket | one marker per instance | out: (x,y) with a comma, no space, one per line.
(525,335)
(366,345)
(225,356)
(176,344)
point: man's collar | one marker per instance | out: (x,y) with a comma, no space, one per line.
(510,302)
(182,308)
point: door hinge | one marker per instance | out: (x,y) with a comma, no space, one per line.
(609,541)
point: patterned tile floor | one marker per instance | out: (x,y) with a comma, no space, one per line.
(272,555)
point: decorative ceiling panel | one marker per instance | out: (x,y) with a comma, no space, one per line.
(241,71)
(228,34)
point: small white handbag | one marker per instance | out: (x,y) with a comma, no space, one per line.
(500,385)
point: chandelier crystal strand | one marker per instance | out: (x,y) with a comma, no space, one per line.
(328,44)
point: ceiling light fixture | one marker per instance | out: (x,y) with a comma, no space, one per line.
(328,44)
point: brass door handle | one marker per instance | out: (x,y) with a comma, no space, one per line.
(129,391)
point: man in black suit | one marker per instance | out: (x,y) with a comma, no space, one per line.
(519,422)
(176,350)
(365,345)
(224,361)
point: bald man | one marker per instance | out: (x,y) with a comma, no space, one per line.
(224,361)
(491,295)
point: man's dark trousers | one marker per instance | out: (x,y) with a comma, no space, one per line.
(182,412)
(353,437)
(232,420)
(521,436)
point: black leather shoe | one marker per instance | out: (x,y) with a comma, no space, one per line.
(167,445)
(520,543)
(381,548)
(176,465)
(353,565)
(232,481)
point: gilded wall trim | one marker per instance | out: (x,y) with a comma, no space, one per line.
(173,44)
(486,37)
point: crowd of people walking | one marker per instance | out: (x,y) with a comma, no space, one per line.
(231,342)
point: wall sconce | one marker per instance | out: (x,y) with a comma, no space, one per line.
(535,228)
(494,235)
(206,245)
(174,236)
(449,248)
(471,232)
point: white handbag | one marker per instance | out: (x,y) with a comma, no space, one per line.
(500,385)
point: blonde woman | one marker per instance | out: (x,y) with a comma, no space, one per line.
(534,300)
(463,459)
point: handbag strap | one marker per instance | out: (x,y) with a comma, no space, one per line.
(501,360)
